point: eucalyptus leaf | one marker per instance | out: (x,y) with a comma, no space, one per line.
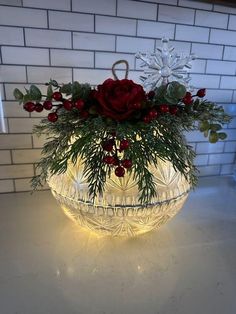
(213,137)
(35,93)
(49,92)
(222,135)
(215,127)
(66,89)
(18,94)
(204,126)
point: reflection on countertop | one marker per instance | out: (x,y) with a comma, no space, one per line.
(50,265)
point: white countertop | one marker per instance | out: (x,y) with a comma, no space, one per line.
(48,265)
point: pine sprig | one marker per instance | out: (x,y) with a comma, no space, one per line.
(82,133)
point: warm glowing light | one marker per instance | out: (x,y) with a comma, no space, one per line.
(118,211)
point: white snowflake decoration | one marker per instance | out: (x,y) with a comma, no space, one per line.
(164,66)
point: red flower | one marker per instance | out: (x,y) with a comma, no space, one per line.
(118,99)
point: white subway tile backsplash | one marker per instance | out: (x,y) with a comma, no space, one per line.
(230,147)
(13,110)
(115,25)
(72,58)
(134,9)
(11,36)
(195,136)
(106,59)
(219,95)
(195,4)
(71,21)
(211,19)
(26,156)
(220,67)
(6,186)
(10,141)
(205,81)
(208,148)
(5,157)
(46,4)
(47,38)
(201,160)
(180,46)
(176,15)
(227,169)
(11,2)
(225,158)
(171,2)
(155,29)
(207,51)
(16,171)
(23,17)
(228,82)
(90,38)
(230,109)
(231,134)
(198,66)
(93,41)
(224,9)
(230,53)
(232,22)
(91,76)
(232,124)
(192,33)
(61,75)
(219,36)
(209,170)
(22,55)
(22,125)
(98,7)
(12,73)
(131,44)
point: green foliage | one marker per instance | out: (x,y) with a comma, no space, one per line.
(73,137)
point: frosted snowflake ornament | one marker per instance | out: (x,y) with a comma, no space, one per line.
(164,66)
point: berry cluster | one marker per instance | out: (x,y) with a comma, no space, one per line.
(188,98)
(112,154)
(48,105)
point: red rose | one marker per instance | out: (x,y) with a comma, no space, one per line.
(118,99)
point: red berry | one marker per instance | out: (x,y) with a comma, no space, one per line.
(124,144)
(146,119)
(151,94)
(164,108)
(174,110)
(52,117)
(127,163)
(116,161)
(119,171)
(187,100)
(188,95)
(84,114)
(153,114)
(201,92)
(38,107)
(68,105)
(47,105)
(29,106)
(79,104)
(109,160)
(57,96)
(107,146)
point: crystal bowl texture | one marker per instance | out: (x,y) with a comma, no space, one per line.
(118,211)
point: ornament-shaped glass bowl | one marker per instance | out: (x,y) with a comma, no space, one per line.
(118,212)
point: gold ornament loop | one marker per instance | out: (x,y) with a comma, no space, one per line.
(126,70)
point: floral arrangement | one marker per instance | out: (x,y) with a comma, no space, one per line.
(118,127)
